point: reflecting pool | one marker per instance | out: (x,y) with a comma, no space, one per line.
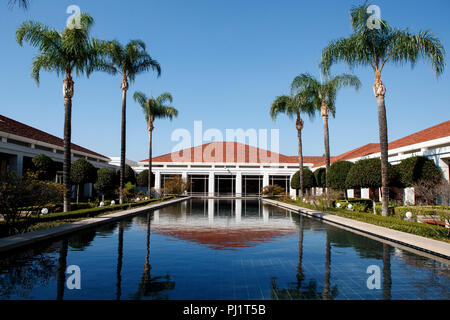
(222,249)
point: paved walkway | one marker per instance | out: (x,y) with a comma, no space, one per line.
(28,238)
(434,247)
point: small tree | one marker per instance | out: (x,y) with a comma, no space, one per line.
(82,172)
(142,178)
(415,169)
(44,167)
(106,181)
(130,175)
(309,181)
(367,174)
(321,177)
(337,176)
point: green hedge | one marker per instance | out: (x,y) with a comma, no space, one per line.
(394,223)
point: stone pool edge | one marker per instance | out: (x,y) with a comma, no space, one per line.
(430,246)
(29,238)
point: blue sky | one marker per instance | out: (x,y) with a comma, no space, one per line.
(224,62)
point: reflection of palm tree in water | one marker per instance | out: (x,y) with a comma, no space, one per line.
(61,275)
(308,291)
(326,281)
(300,276)
(119,263)
(152,286)
(387,280)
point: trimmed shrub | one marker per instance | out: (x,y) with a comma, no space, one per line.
(337,174)
(44,167)
(106,181)
(415,169)
(321,177)
(81,172)
(142,178)
(130,175)
(309,181)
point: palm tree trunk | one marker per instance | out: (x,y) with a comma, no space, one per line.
(61,274)
(380,91)
(150,137)
(124,86)
(68,90)
(326,133)
(299,126)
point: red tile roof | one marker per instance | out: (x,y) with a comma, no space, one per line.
(229,152)
(14,127)
(352,154)
(438,131)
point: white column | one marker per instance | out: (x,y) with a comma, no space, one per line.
(156,216)
(365,194)
(351,193)
(211,210)
(408,196)
(445,168)
(265,213)
(157,180)
(238,184)
(265,179)
(293,192)
(238,211)
(211,184)
(184,175)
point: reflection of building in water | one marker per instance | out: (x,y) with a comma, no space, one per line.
(223,228)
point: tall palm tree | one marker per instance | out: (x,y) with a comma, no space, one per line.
(294,106)
(324,92)
(129,61)
(375,48)
(70,51)
(154,108)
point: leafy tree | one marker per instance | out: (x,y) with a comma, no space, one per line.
(71,50)
(324,93)
(130,175)
(367,174)
(128,61)
(337,175)
(17,193)
(142,178)
(294,106)
(82,172)
(154,108)
(309,181)
(106,181)
(375,48)
(414,169)
(321,177)
(44,167)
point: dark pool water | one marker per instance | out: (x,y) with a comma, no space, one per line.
(227,249)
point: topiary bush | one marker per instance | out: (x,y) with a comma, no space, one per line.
(81,172)
(142,178)
(321,177)
(44,167)
(309,181)
(106,181)
(419,168)
(337,174)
